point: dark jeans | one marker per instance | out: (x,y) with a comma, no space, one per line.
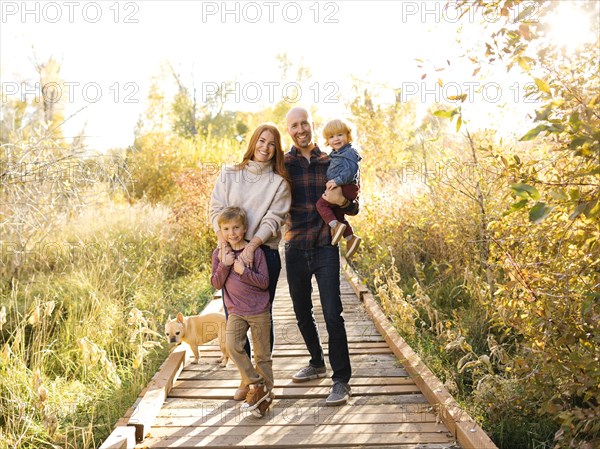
(324,263)
(274,266)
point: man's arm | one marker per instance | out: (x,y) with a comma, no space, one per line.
(352,208)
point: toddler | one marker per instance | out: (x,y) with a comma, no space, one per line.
(344,173)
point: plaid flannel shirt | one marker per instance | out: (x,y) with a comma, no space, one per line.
(305,229)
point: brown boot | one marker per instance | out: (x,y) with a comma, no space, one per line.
(352,246)
(262,408)
(337,232)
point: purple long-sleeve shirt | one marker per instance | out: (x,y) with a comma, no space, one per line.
(246,293)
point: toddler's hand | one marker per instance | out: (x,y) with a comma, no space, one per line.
(331,184)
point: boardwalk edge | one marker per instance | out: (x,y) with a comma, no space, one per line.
(139,418)
(464,428)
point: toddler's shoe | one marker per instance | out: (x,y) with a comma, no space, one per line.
(352,246)
(337,232)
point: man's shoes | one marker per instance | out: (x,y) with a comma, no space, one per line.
(337,232)
(352,246)
(340,392)
(309,373)
(257,393)
(241,393)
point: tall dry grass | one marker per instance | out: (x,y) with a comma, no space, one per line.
(82,325)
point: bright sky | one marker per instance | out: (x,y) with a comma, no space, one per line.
(109,51)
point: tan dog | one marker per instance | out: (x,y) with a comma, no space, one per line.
(197,330)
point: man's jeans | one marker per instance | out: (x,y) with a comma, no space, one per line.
(324,263)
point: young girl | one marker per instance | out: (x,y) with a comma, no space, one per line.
(344,173)
(246,295)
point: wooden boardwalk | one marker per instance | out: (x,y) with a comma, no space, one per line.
(189,405)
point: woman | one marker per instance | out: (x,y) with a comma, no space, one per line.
(259,184)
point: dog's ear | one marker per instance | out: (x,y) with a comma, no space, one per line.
(180,317)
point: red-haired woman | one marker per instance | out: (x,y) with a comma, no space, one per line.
(259,184)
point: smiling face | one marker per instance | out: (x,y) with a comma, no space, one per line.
(337,140)
(233,232)
(300,127)
(265,147)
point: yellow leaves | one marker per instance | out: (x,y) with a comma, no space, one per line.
(525,31)
(524,62)
(540,344)
(542,85)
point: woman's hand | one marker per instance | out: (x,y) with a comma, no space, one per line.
(247,255)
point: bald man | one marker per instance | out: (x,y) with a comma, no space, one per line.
(308,253)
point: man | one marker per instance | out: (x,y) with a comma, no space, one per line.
(308,252)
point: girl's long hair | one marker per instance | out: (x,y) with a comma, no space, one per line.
(278,165)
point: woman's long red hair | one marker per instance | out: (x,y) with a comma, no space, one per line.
(278,164)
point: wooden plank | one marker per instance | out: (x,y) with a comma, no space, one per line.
(122,437)
(145,414)
(294,392)
(229,414)
(284,352)
(322,436)
(292,364)
(242,429)
(406,402)
(471,436)
(197,373)
(234,418)
(361,345)
(234,383)
(433,389)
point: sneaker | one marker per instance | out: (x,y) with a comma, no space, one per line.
(308,373)
(241,393)
(262,408)
(257,393)
(352,246)
(337,232)
(340,392)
